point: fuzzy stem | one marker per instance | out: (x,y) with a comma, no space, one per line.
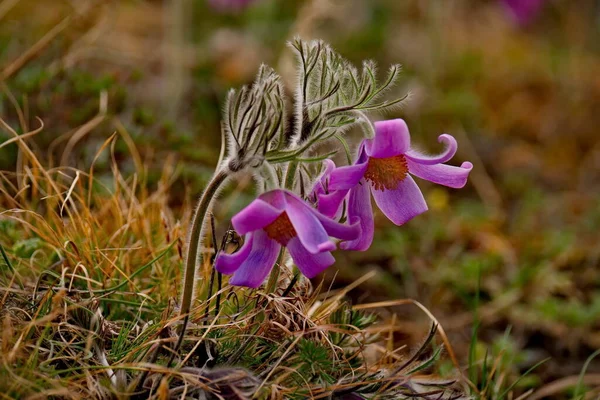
(290,176)
(364,120)
(194,240)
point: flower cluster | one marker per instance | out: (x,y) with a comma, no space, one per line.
(382,168)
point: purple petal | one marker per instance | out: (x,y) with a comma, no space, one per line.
(402,204)
(309,264)
(391,139)
(308,228)
(337,230)
(346,177)
(442,174)
(255,216)
(229,263)
(329,204)
(361,154)
(448,153)
(257,266)
(359,210)
(333,186)
(523,10)
(275,198)
(322,182)
(329,166)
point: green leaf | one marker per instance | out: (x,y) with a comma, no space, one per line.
(26,248)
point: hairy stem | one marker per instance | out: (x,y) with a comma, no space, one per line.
(194,240)
(290,176)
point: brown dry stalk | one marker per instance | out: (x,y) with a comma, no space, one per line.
(6,6)
(35,50)
(562,384)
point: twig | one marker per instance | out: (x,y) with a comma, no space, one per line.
(34,50)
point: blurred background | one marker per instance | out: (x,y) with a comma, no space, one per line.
(514,256)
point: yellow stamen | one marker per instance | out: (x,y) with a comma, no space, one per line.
(386,173)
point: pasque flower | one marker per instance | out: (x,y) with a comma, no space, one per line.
(383,169)
(281,218)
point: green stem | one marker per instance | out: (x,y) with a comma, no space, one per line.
(212,263)
(219,287)
(274,275)
(211,282)
(292,282)
(194,240)
(290,176)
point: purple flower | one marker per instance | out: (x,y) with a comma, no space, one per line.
(230,5)
(280,218)
(333,186)
(523,10)
(387,161)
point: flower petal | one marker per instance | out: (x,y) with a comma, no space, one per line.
(391,139)
(259,263)
(331,189)
(275,198)
(361,154)
(229,263)
(329,166)
(448,153)
(329,204)
(402,204)
(308,228)
(326,200)
(360,210)
(337,230)
(255,216)
(442,174)
(346,177)
(322,183)
(309,264)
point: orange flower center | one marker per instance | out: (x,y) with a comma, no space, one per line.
(281,230)
(386,173)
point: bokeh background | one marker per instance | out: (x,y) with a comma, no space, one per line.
(513,257)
